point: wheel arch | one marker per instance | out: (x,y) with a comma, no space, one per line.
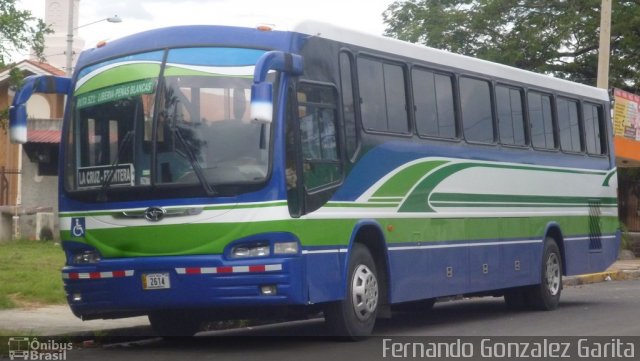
(554,231)
(370,234)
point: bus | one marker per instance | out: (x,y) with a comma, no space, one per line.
(213,171)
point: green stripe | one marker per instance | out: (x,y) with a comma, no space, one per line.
(516,205)
(399,184)
(118,75)
(212,238)
(360,205)
(509,198)
(608,178)
(417,200)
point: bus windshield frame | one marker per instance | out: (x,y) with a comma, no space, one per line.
(166,124)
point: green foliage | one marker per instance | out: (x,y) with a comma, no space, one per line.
(20,31)
(30,274)
(625,241)
(546,36)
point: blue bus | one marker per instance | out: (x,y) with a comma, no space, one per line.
(209,172)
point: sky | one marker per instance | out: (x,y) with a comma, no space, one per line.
(141,15)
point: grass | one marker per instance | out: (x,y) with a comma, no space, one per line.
(30,274)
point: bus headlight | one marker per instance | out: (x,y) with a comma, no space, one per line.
(251,250)
(285,248)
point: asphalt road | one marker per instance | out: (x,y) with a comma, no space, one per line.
(604,309)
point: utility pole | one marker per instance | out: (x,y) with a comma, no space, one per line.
(69,52)
(605,44)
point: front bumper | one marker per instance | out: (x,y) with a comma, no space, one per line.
(114,287)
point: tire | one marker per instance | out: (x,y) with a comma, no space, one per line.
(546,295)
(355,316)
(174,323)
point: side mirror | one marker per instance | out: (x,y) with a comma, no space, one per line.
(18,111)
(261,90)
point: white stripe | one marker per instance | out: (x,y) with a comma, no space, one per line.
(305,251)
(128,273)
(106,274)
(240,269)
(586,238)
(181,271)
(273,267)
(209,270)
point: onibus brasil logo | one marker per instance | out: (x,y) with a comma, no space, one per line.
(30,348)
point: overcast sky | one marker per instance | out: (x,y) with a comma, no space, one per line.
(140,15)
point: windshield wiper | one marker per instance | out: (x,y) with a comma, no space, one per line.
(102,195)
(194,163)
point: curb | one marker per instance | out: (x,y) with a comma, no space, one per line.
(601,277)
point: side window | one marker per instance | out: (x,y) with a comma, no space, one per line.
(383,98)
(541,118)
(594,129)
(348,105)
(433,99)
(568,125)
(510,116)
(318,139)
(477,116)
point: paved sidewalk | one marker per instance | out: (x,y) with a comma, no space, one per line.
(620,270)
(58,320)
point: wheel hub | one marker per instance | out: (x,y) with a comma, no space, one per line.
(364,292)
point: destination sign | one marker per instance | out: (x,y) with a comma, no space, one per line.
(91,177)
(116,92)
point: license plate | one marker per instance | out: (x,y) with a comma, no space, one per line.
(155,281)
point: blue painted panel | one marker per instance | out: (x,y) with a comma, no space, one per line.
(410,275)
(324,277)
(579,259)
(490,256)
(529,270)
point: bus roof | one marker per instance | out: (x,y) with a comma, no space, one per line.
(445,58)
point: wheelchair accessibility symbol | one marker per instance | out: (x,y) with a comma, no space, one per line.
(77,227)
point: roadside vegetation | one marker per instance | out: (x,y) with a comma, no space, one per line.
(30,274)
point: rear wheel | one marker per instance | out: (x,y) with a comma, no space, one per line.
(355,316)
(175,323)
(546,295)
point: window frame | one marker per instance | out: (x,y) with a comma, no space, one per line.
(454,100)
(581,135)
(604,132)
(407,93)
(554,125)
(338,134)
(525,115)
(355,93)
(491,107)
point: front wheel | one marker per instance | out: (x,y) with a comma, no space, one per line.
(355,315)
(546,295)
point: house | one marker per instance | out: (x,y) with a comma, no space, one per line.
(28,172)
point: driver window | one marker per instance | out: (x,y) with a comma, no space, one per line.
(318,137)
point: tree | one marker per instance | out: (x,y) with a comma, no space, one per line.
(19,31)
(557,37)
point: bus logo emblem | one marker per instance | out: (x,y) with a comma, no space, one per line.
(154,214)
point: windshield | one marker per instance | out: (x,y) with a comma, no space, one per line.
(144,122)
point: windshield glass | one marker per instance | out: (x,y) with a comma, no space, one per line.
(141,121)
